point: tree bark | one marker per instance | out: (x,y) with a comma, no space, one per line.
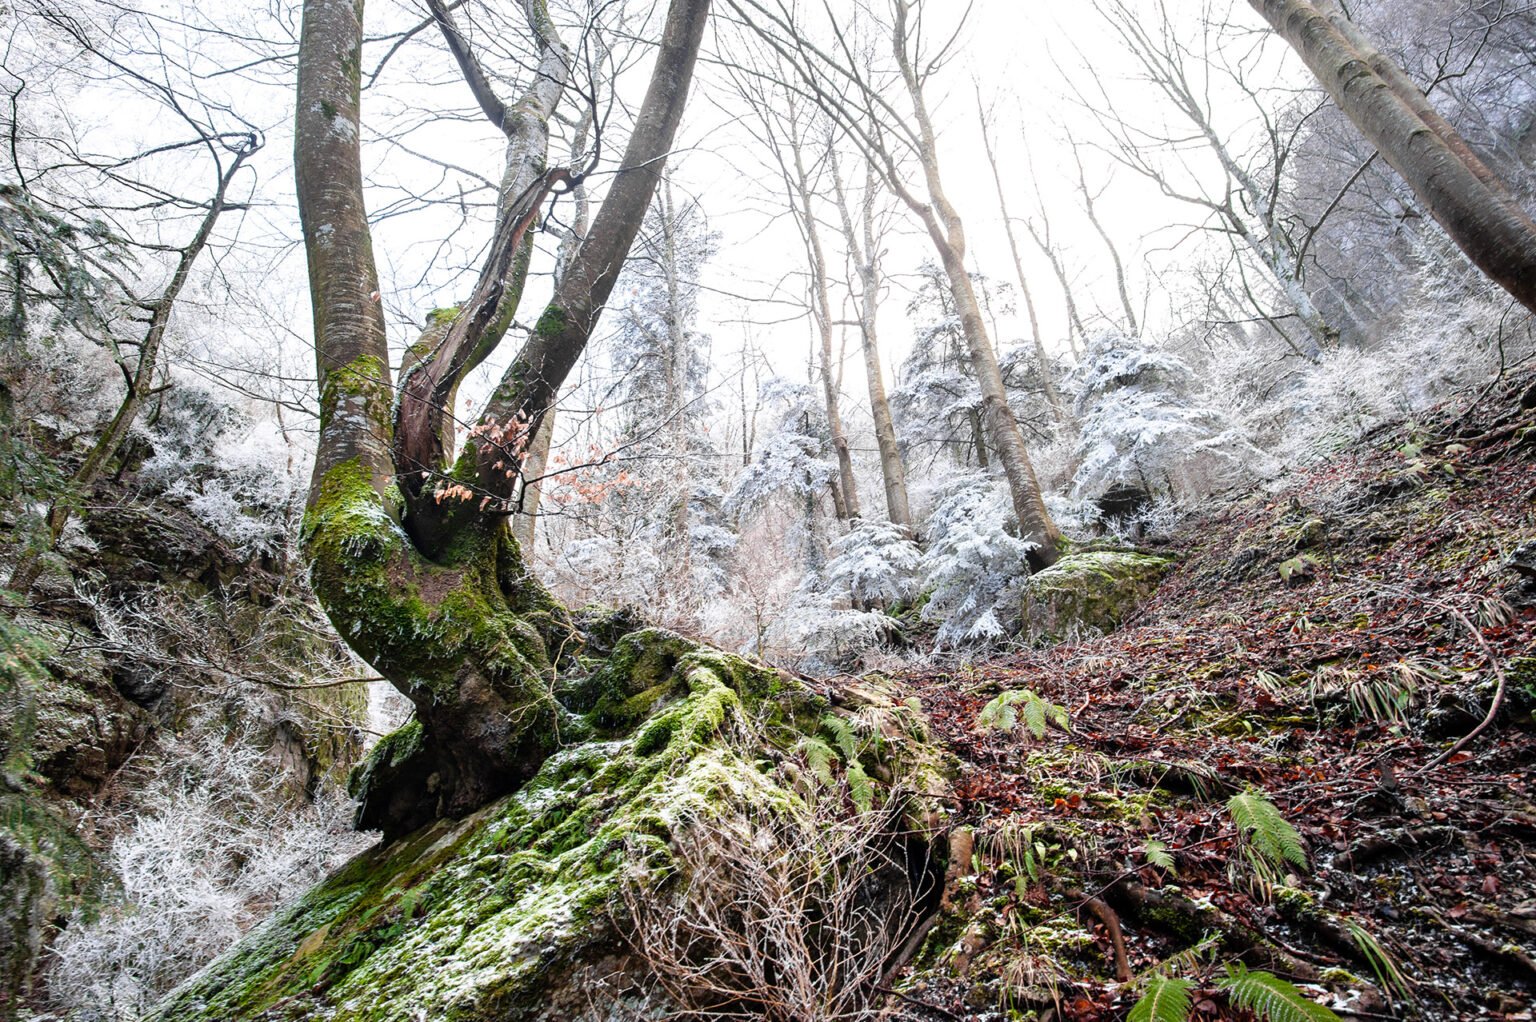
(797,180)
(526,522)
(866,258)
(1465,197)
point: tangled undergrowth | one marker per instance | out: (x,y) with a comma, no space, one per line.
(1279,763)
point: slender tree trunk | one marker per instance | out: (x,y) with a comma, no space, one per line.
(1042,360)
(674,371)
(801,191)
(140,382)
(1075,328)
(1089,207)
(866,258)
(1465,197)
(947,232)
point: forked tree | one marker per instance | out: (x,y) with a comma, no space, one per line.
(412,555)
(1469,201)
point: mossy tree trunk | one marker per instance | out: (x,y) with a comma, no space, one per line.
(412,555)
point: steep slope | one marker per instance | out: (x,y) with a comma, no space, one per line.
(1325,649)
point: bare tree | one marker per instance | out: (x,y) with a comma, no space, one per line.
(1248,206)
(411,553)
(779,112)
(1460,191)
(1043,361)
(864,250)
(845,88)
(134,331)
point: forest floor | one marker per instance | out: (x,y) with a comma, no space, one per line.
(1326,643)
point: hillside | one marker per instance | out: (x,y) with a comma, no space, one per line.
(1326,644)
(1245,780)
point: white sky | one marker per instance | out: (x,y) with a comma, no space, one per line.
(1012,50)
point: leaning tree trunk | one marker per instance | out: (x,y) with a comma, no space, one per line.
(948,235)
(1467,199)
(412,557)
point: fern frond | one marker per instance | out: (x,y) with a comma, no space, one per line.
(1166,1000)
(999,713)
(842,735)
(860,787)
(1271,998)
(1002,714)
(1157,855)
(1034,715)
(1270,834)
(819,756)
(1190,958)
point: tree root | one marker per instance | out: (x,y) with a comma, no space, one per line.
(1147,905)
(1111,923)
(1509,954)
(1381,846)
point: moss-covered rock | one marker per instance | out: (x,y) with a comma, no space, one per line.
(1089,591)
(510,912)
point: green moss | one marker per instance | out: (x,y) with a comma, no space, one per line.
(391,753)
(472,920)
(363,382)
(1092,590)
(552,323)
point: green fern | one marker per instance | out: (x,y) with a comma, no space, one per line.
(1270,998)
(819,756)
(1157,855)
(1002,713)
(860,787)
(1166,1000)
(1266,830)
(842,735)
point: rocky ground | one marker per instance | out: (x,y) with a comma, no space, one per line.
(1355,649)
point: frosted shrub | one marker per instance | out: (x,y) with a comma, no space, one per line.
(240,479)
(250,501)
(876,564)
(214,847)
(1142,427)
(974,570)
(603,570)
(815,633)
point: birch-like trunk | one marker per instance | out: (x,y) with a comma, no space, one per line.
(847,503)
(947,232)
(865,253)
(1463,195)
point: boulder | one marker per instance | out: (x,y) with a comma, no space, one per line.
(1088,592)
(517,911)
